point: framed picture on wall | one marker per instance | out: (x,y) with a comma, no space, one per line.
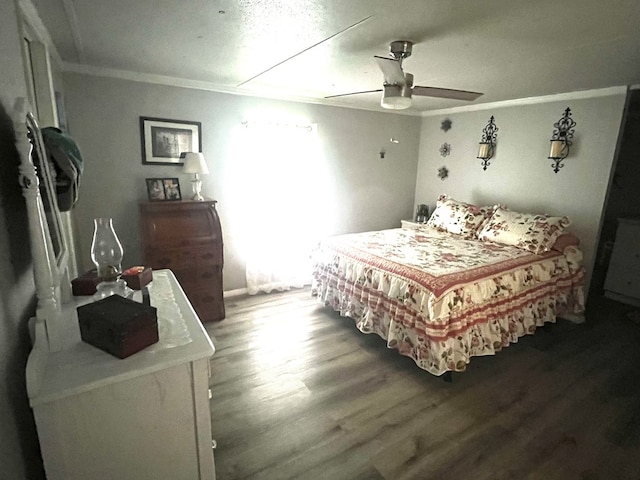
(164,141)
(163,189)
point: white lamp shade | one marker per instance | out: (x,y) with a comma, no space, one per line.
(194,163)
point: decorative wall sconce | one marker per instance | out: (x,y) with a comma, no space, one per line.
(488,143)
(392,140)
(561,140)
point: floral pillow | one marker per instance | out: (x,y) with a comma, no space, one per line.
(535,233)
(458,218)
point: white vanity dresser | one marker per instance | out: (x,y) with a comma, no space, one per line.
(142,417)
(99,417)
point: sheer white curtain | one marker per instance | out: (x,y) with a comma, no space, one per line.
(281,176)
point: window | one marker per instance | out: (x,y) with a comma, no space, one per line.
(279,185)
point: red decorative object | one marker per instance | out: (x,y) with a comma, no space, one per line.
(137,277)
(86,283)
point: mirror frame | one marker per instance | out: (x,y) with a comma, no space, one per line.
(50,270)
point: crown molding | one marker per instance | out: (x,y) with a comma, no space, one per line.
(209,86)
(558,97)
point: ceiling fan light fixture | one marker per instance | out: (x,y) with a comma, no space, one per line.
(396,97)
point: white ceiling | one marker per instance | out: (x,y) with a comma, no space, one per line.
(507,49)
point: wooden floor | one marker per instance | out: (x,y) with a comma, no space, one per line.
(298,392)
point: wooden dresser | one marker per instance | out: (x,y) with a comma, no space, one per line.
(186,238)
(623,276)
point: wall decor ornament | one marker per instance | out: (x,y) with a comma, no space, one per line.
(446,125)
(561,140)
(488,143)
(443,172)
(445,149)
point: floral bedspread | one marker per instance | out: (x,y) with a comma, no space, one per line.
(441,299)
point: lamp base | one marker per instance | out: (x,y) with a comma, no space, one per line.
(196,186)
(116,287)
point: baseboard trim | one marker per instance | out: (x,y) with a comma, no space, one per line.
(235,293)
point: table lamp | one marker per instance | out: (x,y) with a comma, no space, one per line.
(194,163)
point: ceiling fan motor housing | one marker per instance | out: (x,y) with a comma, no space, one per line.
(398,97)
(401,49)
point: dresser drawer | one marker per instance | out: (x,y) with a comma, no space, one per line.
(623,279)
(208,302)
(199,276)
(183,257)
(623,274)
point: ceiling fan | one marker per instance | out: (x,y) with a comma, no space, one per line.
(398,86)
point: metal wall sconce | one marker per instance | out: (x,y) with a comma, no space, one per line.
(392,140)
(561,140)
(488,143)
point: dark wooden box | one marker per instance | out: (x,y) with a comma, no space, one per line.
(86,283)
(118,325)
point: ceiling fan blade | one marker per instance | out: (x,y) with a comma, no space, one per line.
(391,69)
(445,93)
(353,93)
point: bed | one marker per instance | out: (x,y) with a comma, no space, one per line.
(468,283)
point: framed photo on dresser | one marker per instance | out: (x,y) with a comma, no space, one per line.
(163,189)
(164,142)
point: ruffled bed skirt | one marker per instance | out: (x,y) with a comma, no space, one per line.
(415,324)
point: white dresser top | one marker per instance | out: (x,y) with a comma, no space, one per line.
(80,367)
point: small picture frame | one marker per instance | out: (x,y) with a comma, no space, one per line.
(164,142)
(163,189)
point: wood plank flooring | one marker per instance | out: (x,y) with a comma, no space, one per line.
(298,392)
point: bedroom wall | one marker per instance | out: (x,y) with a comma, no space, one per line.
(19,451)
(520,175)
(369,193)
